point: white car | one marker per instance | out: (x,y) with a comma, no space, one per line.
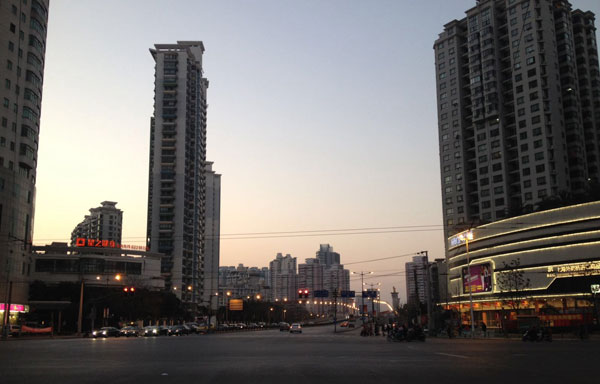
(296,328)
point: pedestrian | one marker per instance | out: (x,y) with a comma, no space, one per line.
(484,329)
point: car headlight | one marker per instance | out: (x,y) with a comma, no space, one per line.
(94,333)
(154,331)
(104,332)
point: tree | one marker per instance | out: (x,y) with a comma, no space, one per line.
(512,283)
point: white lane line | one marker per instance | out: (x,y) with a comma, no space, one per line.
(450,354)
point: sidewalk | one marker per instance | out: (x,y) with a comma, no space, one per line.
(517,337)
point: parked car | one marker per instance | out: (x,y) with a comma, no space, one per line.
(178,330)
(130,330)
(107,332)
(344,324)
(284,326)
(296,328)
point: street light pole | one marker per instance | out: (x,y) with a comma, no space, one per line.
(362,297)
(468,235)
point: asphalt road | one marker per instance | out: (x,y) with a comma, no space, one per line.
(316,356)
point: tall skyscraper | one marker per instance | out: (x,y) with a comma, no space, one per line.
(212,233)
(22,57)
(177,191)
(103,223)
(326,255)
(518,93)
(310,275)
(283,277)
(417,280)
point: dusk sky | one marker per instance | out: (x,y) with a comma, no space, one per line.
(322,116)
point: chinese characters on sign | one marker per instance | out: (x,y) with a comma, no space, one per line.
(480,279)
(574,270)
(81,242)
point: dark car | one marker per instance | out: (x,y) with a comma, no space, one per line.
(151,330)
(178,330)
(130,331)
(107,332)
(284,326)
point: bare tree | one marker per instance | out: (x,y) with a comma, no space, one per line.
(512,283)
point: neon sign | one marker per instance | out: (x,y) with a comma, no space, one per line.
(97,243)
(574,270)
(13,307)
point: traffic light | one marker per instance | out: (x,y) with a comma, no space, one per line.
(303,293)
(129,290)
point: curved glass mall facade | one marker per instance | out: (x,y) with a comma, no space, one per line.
(558,256)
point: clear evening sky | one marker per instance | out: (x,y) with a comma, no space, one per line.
(322,115)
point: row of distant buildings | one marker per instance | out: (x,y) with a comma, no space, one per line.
(180,252)
(282,280)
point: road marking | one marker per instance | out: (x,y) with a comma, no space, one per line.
(450,354)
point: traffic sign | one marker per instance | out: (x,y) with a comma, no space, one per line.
(348,294)
(321,293)
(369,293)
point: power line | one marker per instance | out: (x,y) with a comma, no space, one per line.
(325,232)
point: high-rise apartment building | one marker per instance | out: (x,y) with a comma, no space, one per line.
(417,280)
(284,281)
(518,95)
(103,223)
(22,56)
(212,233)
(336,278)
(327,256)
(177,191)
(310,275)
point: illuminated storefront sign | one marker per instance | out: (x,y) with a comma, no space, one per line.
(460,238)
(595,288)
(480,279)
(82,242)
(236,305)
(13,308)
(574,270)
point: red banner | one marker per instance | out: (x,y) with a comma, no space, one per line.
(26,329)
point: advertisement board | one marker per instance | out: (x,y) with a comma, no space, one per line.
(236,305)
(480,279)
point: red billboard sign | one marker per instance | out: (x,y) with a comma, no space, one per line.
(97,243)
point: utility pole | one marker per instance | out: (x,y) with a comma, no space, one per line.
(7,311)
(335,296)
(80,316)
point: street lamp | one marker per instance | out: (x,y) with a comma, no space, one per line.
(466,236)
(227,307)
(362,296)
